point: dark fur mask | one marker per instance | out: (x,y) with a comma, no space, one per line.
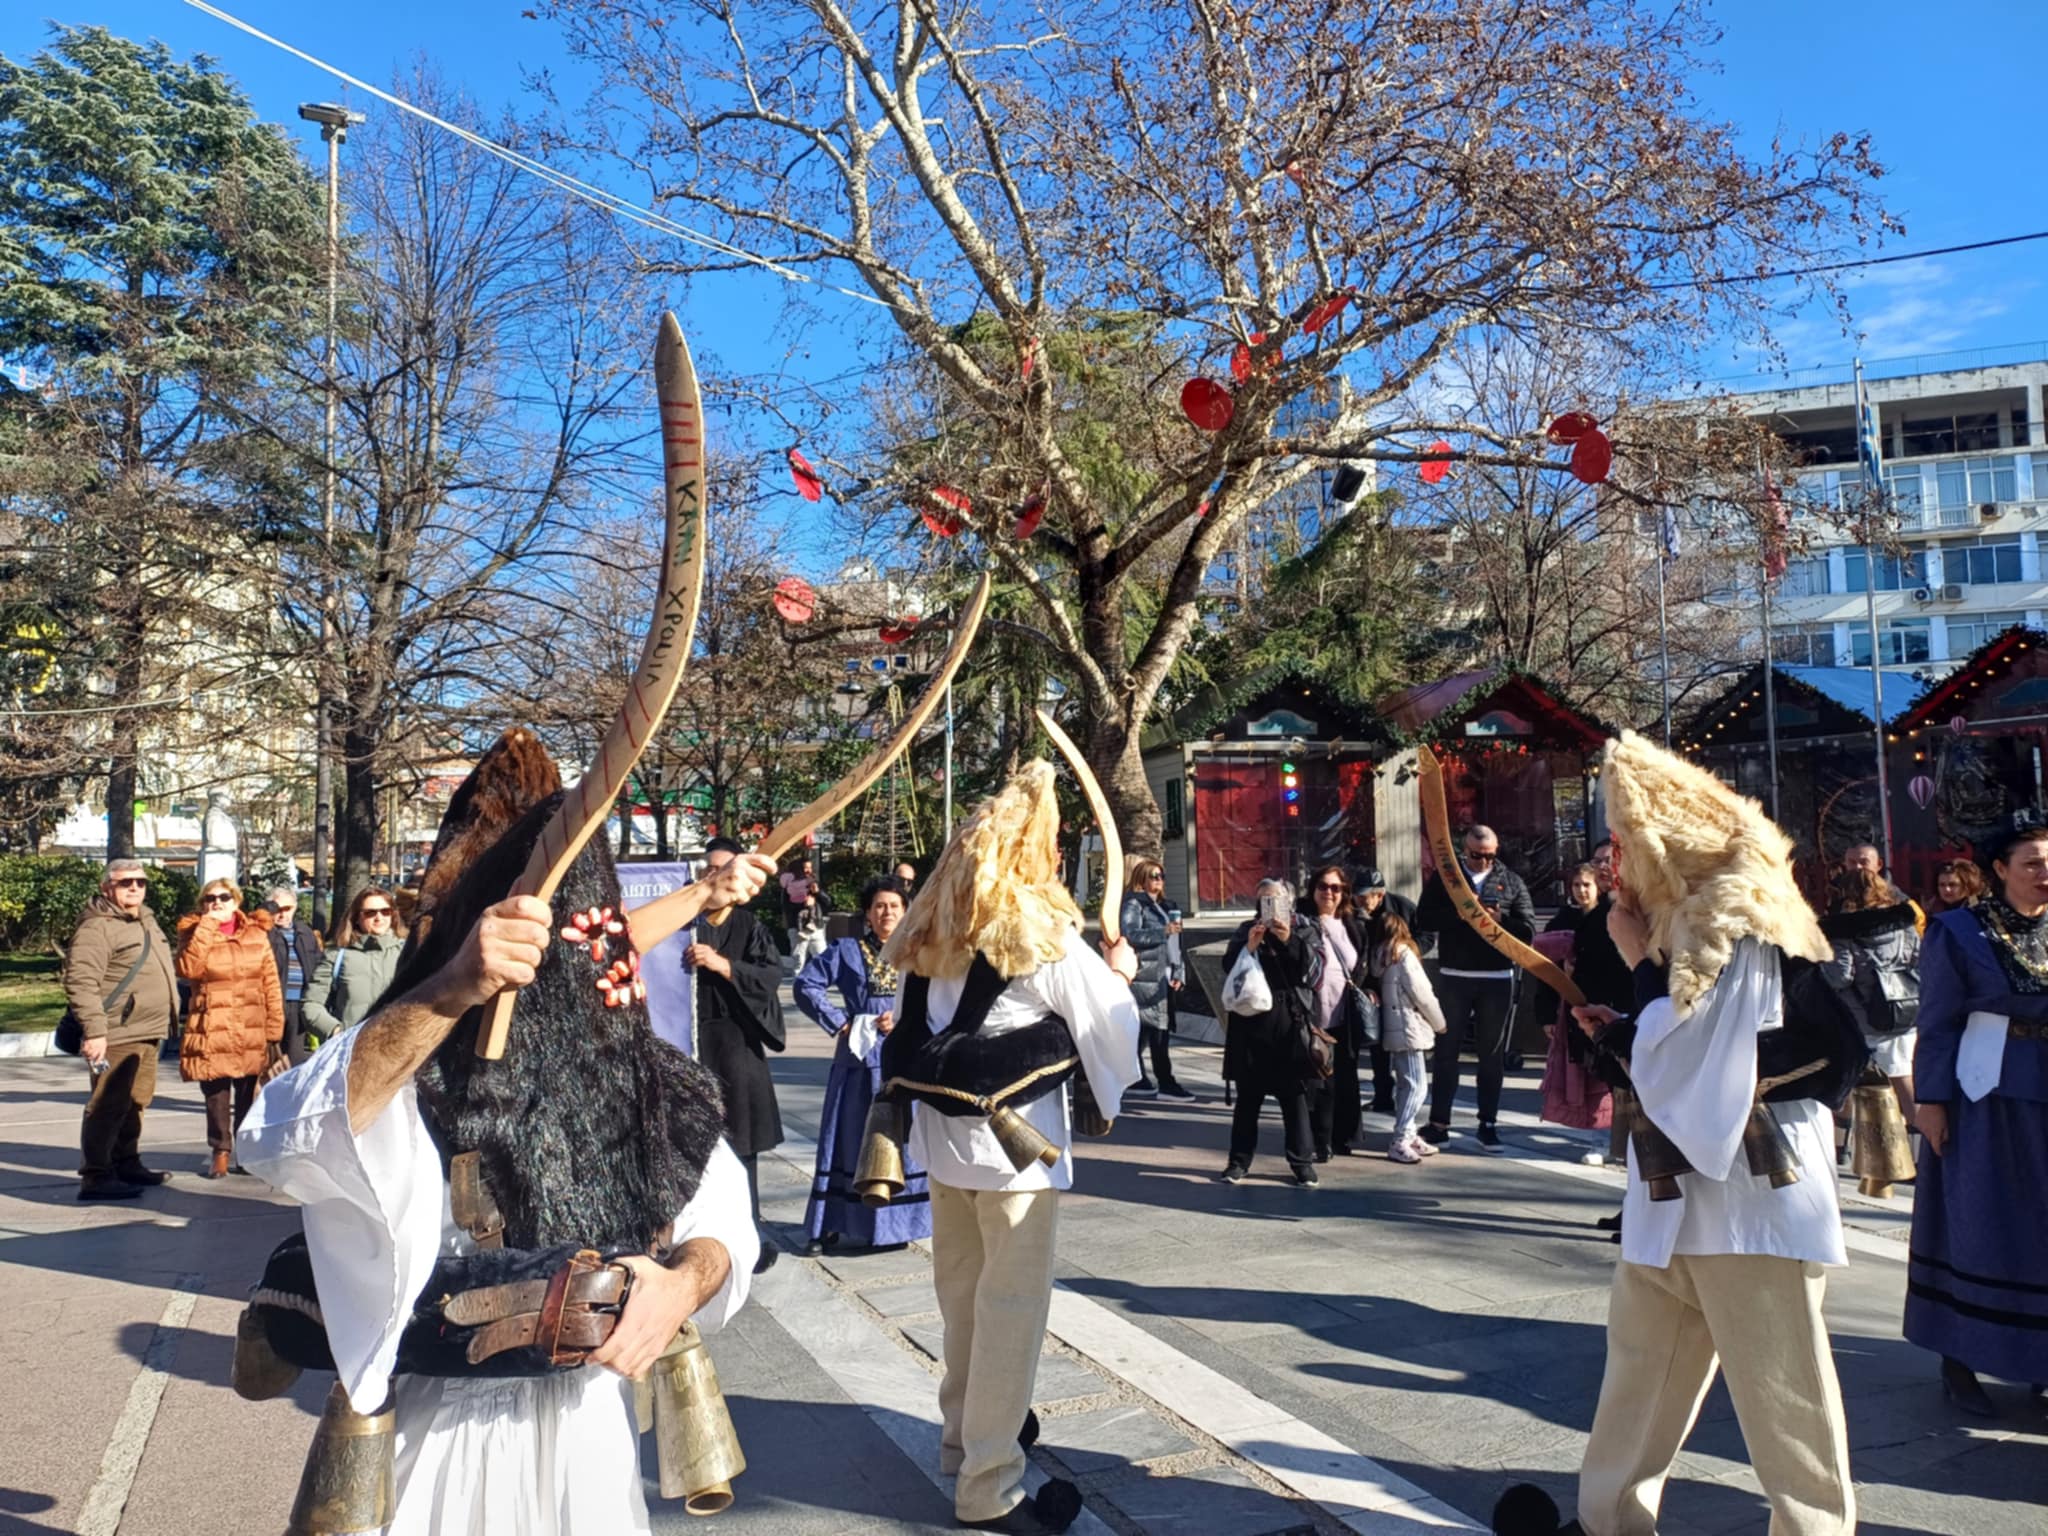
(591,1128)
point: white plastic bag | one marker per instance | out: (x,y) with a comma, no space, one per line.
(1245,989)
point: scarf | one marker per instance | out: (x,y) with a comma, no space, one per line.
(1331,984)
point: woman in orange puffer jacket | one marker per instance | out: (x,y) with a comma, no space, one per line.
(237,1016)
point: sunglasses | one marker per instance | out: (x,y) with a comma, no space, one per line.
(1480,858)
(127,881)
(1331,885)
(217,899)
(376,912)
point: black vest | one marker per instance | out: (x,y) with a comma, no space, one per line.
(962,1058)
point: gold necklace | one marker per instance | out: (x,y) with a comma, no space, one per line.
(881,978)
(1994,922)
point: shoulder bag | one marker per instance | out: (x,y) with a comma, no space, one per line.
(70,1037)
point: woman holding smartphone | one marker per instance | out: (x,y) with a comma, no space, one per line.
(1267,1053)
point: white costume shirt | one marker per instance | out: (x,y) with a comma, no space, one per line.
(1696,1079)
(498,1456)
(1096,1003)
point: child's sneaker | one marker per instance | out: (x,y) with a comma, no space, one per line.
(1423,1148)
(1405,1152)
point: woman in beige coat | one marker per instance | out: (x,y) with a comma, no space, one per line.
(237,1016)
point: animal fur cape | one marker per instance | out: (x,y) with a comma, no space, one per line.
(1707,867)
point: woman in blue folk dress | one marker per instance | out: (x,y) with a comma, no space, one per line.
(1977,1279)
(867,989)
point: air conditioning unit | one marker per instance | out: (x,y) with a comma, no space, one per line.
(1988,511)
(1922,595)
(1952,593)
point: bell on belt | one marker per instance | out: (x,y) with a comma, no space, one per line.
(259,1372)
(1768,1149)
(1020,1140)
(347,1484)
(1879,1154)
(1089,1120)
(878,1176)
(694,1441)
(1658,1161)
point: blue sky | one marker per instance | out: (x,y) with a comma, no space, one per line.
(1806,67)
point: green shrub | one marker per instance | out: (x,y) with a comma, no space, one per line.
(42,897)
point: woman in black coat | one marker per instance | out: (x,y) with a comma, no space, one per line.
(1267,1053)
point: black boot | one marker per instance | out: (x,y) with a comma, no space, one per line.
(1959,1384)
(1048,1512)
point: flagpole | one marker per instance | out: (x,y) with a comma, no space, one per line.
(1873,466)
(1663,638)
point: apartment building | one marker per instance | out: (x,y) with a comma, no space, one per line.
(1965,463)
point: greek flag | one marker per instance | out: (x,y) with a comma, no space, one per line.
(1867,440)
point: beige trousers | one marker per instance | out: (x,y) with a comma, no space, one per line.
(1762,1317)
(992,1263)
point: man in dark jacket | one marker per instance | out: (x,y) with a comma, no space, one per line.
(121,982)
(297,948)
(1477,985)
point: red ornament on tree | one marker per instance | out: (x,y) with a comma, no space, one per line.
(950,521)
(1324,313)
(1241,357)
(1592,457)
(795,600)
(808,483)
(1570,427)
(1207,404)
(896,631)
(1028,519)
(1437,464)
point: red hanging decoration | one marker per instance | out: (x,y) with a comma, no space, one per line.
(896,631)
(1324,313)
(1570,427)
(1241,357)
(809,484)
(1207,404)
(948,523)
(1437,464)
(1028,519)
(1028,363)
(795,600)
(1592,457)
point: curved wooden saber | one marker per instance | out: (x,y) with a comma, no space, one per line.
(1112,840)
(1436,821)
(662,657)
(660,918)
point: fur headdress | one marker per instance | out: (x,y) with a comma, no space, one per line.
(995,890)
(592,1129)
(1706,865)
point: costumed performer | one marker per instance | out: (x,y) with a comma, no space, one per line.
(1000,990)
(859,1021)
(1977,1277)
(425,1171)
(1729,1265)
(736,1019)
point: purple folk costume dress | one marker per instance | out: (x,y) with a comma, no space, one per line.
(1977,1281)
(867,989)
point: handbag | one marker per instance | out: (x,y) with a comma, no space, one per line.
(1245,989)
(1322,1051)
(70,1036)
(1363,1012)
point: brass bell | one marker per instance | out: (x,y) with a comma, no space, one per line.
(878,1177)
(347,1486)
(1768,1149)
(1020,1140)
(259,1372)
(1879,1152)
(1089,1120)
(694,1441)
(1658,1160)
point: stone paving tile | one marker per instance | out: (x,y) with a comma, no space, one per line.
(869,1268)
(1215,1501)
(1062,1378)
(912,1299)
(1114,1436)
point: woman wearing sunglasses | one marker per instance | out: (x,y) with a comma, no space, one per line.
(354,974)
(237,1017)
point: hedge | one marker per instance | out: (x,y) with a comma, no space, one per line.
(43,896)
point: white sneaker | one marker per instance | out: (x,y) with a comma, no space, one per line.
(1423,1148)
(1404,1152)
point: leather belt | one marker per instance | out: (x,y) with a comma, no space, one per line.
(565,1316)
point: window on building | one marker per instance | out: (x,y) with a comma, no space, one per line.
(2041,477)
(1977,432)
(1903,486)
(1170,812)
(1824,445)
(1966,632)
(1895,573)
(1901,643)
(1805,577)
(1810,647)
(1929,435)
(1962,484)
(1980,562)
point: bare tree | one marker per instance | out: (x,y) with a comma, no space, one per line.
(1340,188)
(493,396)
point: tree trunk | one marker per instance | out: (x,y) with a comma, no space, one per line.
(1113,754)
(124,749)
(357,818)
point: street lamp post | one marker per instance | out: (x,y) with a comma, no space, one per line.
(334,124)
